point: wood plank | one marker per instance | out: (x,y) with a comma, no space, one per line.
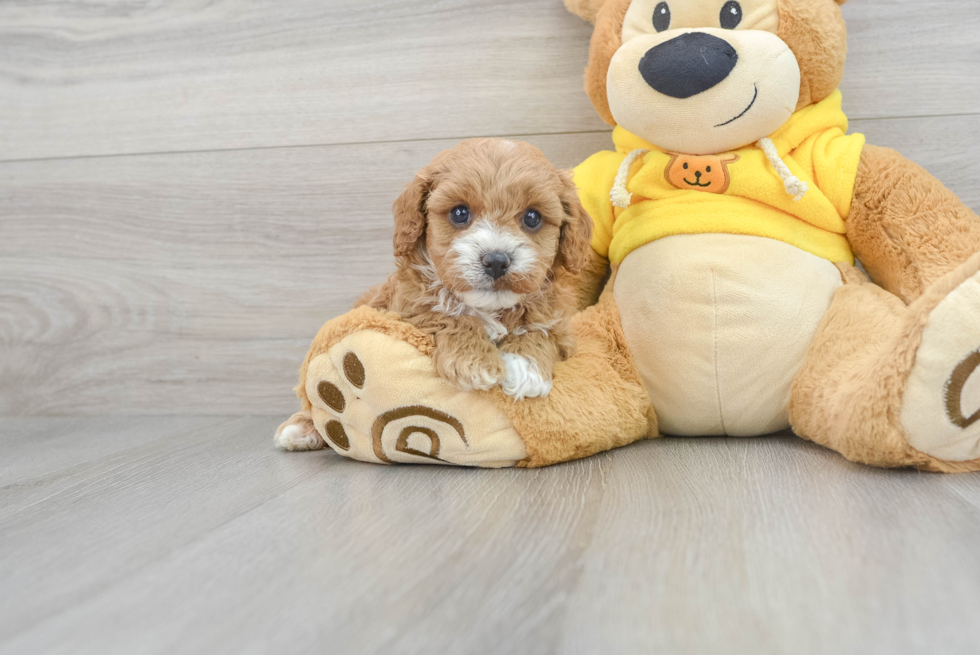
(48,449)
(782,530)
(146,284)
(193,283)
(910,59)
(199,76)
(93,78)
(214,542)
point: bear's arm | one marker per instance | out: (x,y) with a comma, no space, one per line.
(594,179)
(906,228)
(585,286)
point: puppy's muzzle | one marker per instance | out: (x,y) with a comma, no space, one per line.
(496,264)
(688,65)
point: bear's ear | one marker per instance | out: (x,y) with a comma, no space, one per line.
(816,32)
(587,9)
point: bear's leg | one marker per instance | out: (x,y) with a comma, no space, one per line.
(894,385)
(905,227)
(598,401)
(372,393)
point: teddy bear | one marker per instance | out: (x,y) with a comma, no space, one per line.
(723,296)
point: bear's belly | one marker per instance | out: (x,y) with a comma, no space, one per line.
(718,326)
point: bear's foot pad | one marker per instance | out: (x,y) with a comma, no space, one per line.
(377,399)
(941,407)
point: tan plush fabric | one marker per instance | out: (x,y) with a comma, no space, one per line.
(584,9)
(606,40)
(850,392)
(721,327)
(907,229)
(586,285)
(887,364)
(598,392)
(362,318)
(377,399)
(946,425)
(597,403)
(815,32)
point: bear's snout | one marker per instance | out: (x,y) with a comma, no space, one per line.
(688,64)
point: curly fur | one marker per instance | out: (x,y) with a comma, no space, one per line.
(439,286)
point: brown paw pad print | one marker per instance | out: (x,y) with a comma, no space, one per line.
(954,392)
(413,430)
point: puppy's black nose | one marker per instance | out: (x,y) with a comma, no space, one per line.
(496,264)
(688,64)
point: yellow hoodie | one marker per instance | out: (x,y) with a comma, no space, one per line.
(735,193)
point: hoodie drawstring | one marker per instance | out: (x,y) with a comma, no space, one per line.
(619,195)
(794,186)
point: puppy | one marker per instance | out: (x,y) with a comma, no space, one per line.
(482,236)
(486,239)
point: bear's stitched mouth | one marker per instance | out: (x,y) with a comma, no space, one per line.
(751,104)
(698,183)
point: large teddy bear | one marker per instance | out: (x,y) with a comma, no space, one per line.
(727,223)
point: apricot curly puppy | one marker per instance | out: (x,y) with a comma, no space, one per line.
(484,236)
(481,236)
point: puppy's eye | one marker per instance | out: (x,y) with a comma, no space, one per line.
(532,219)
(731,15)
(661,17)
(460,215)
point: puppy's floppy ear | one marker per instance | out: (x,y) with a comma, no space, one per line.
(575,240)
(409,211)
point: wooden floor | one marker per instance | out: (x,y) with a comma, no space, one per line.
(189,189)
(189,535)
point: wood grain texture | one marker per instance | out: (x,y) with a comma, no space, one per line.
(193,535)
(190,279)
(193,283)
(100,77)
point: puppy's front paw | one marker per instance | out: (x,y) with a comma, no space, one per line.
(299,434)
(524,379)
(472,373)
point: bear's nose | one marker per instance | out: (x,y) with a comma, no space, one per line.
(688,64)
(495,264)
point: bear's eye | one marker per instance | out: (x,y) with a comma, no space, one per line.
(708,169)
(661,17)
(686,167)
(731,15)
(532,219)
(460,215)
